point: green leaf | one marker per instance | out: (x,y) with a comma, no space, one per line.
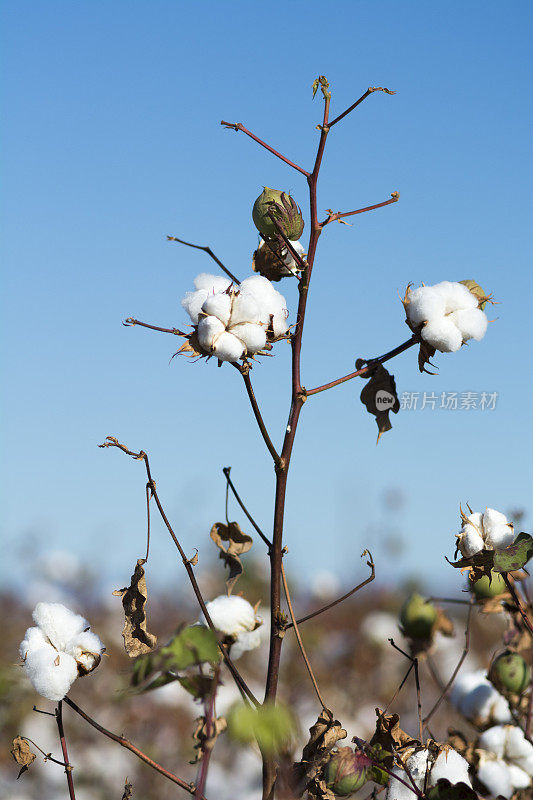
(515,556)
(193,645)
(200,686)
(272,726)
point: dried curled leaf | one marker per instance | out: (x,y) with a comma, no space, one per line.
(202,739)
(128,791)
(22,754)
(238,543)
(389,737)
(137,640)
(379,396)
(324,735)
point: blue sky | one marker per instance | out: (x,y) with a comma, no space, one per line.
(113,141)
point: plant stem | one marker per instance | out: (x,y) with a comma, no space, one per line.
(245,372)
(251,520)
(395,196)
(238,126)
(209,253)
(68,766)
(368,92)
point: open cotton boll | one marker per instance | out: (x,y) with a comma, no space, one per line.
(231,615)
(211,283)
(247,640)
(209,330)
(58,623)
(218,305)
(449,764)
(86,648)
(495,775)
(477,699)
(456,296)
(516,745)
(228,348)
(252,335)
(519,778)
(470,541)
(193,302)
(51,673)
(399,791)
(34,638)
(442,334)
(499,533)
(471,322)
(245,308)
(425,304)
(258,286)
(493,740)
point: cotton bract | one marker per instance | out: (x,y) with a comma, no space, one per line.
(58,650)
(426,770)
(233,322)
(235,617)
(505,760)
(447,315)
(490,530)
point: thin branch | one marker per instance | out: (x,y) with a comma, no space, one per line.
(288,244)
(301,644)
(209,253)
(131,321)
(368,92)
(368,368)
(111,441)
(370,563)
(519,607)
(207,750)
(251,520)
(399,689)
(333,217)
(245,372)
(238,126)
(68,767)
(448,686)
(47,756)
(148,497)
(448,600)
(121,740)
(414,663)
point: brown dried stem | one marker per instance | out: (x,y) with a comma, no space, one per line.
(207,750)
(121,740)
(518,603)
(368,92)
(251,520)
(209,253)
(414,663)
(47,756)
(131,321)
(332,217)
(67,764)
(238,126)
(245,372)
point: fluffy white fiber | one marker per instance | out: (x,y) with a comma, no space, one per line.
(235,616)
(58,650)
(505,760)
(477,699)
(490,530)
(426,772)
(448,313)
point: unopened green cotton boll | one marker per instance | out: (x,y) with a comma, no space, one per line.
(282,206)
(346,771)
(509,672)
(487,587)
(418,617)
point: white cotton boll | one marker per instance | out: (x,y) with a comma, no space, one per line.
(252,335)
(495,775)
(231,615)
(279,323)
(449,764)
(456,296)
(493,740)
(493,517)
(472,323)
(209,330)
(258,286)
(424,305)
(86,649)
(397,790)
(247,640)
(500,709)
(442,334)
(245,308)
(470,541)
(477,699)
(34,639)
(193,302)
(417,764)
(58,623)
(228,348)
(51,673)
(500,537)
(211,283)
(519,778)
(218,305)
(516,745)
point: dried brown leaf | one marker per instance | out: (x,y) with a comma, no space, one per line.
(203,741)
(22,754)
(238,543)
(324,735)
(379,396)
(390,737)
(443,624)
(137,640)
(128,790)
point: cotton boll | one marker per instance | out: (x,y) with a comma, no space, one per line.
(51,673)
(519,778)
(493,740)
(247,640)
(471,322)
(417,764)
(258,286)
(245,308)
(209,330)
(211,283)
(86,649)
(231,615)
(252,335)
(456,296)
(442,334)
(218,305)
(495,775)
(499,533)
(399,791)
(470,541)
(193,302)
(34,639)
(58,623)
(517,748)
(449,764)
(424,305)
(228,348)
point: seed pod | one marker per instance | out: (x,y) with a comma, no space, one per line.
(418,617)
(347,771)
(509,672)
(282,206)
(487,586)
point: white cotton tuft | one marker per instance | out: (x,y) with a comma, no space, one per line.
(425,304)
(519,778)
(477,699)
(58,623)
(193,302)
(209,330)
(495,775)
(493,740)
(252,335)
(231,615)
(86,648)
(449,764)
(457,296)
(51,673)
(245,308)
(258,286)
(34,639)
(417,764)
(247,640)
(442,334)
(397,790)
(470,541)
(499,533)
(228,348)
(218,305)
(211,283)
(472,323)
(517,748)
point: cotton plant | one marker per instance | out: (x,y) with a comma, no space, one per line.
(484,530)
(505,760)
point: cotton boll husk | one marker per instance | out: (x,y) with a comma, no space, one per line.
(247,640)
(424,305)
(228,348)
(58,623)
(218,305)
(493,740)
(193,302)
(252,335)
(50,679)
(231,615)
(471,322)
(245,308)
(211,283)
(86,649)
(495,774)
(442,334)
(209,330)
(456,296)
(470,541)
(449,764)
(519,778)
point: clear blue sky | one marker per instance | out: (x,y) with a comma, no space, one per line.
(113,141)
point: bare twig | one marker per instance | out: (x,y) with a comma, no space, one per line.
(251,520)
(207,750)
(245,372)
(518,603)
(368,92)
(121,740)
(395,196)
(47,756)
(238,126)
(414,663)
(131,321)
(67,764)
(209,253)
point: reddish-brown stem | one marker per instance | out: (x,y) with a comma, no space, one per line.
(518,603)
(251,520)
(299,260)
(369,366)
(121,740)
(209,253)
(257,413)
(368,92)
(207,750)
(395,196)
(336,602)
(132,321)
(47,756)
(68,767)
(238,126)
